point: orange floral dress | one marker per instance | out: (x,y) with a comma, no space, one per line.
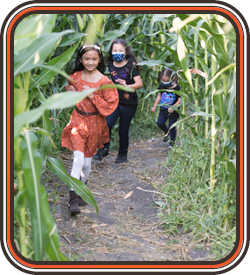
(87,133)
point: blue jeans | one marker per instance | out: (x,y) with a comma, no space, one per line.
(126,114)
(161,123)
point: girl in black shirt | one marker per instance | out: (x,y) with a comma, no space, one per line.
(169,83)
(123,71)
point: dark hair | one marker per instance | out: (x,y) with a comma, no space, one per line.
(129,54)
(169,73)
(78,65)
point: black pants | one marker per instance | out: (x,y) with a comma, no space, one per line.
(161,123)
(126,114)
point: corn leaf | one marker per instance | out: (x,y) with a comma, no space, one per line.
(37,52)
(31,165)
(28,30)
(80,188)
(53,244)
(56,63)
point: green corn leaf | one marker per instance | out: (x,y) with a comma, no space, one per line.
(151,63)
(173,53)
(52,248)
(20,202)
(183,57)
(220,106)
(31,165)
(231,166)
(28,30)
(72,39)
(196,35)
(111,35)
(55,64)
(20,98)
(180,121)
(80,21)
(46,139)
(125,24)
(228,67)
(80,188)
(37,52)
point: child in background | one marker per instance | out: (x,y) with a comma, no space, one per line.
(121,63)
(169,82)
(87,129)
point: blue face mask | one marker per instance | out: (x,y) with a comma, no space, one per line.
(118,57)
(167,84)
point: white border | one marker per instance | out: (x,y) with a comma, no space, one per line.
(219,5)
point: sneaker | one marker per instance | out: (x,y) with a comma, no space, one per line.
(101,153)
(121,158)
(73,204)
(166,138)
(171,144)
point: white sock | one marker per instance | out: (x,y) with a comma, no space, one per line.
(77,165)
(86,169)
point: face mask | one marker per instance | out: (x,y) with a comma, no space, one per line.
(167,84)
(118,57)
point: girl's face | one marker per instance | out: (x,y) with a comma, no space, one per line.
(165,78)
(118,48)
(90,60)
(118,52)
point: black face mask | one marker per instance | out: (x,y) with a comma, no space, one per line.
(167,84)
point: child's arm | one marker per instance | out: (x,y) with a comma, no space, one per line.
(178,102)
(70,88)
(106,102)
(137,85)
(157,101)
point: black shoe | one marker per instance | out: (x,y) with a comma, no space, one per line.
(166,138)
(81,202)
(73,204)
(171,144)
(121,158)
(101,153)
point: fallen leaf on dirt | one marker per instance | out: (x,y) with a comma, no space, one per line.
(96,225)
(129,194)
(66,239)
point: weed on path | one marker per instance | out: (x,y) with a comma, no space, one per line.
(127,227)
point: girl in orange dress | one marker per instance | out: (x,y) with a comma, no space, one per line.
(87,129)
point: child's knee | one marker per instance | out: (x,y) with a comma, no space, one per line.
(160,124)
(87,164)
(78,159)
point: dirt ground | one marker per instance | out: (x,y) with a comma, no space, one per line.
(127,227)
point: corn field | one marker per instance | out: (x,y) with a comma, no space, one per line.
(200,48)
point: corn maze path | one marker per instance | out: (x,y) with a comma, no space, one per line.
(127,227)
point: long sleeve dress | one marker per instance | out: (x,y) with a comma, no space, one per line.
(87,133)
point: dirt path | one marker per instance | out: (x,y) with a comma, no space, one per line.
(127,227)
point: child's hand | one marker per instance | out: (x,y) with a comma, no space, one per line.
(121,81)
(153,109)
(170,110)
(85,87)
(71,88)
(90,96)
